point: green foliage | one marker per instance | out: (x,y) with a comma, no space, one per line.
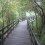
(43,38)
(10,10)
(1,22)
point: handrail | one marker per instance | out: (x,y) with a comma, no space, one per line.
(33,37)
(8,28)
(36,41)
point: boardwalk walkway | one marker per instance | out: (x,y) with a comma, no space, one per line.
(19,36)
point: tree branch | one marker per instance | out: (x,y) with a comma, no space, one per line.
(39,6)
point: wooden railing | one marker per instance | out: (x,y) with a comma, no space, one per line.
(34,40)
(5,31)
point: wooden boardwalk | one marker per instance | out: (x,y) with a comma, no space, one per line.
(19,36)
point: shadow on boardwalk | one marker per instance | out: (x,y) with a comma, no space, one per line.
(19,36)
